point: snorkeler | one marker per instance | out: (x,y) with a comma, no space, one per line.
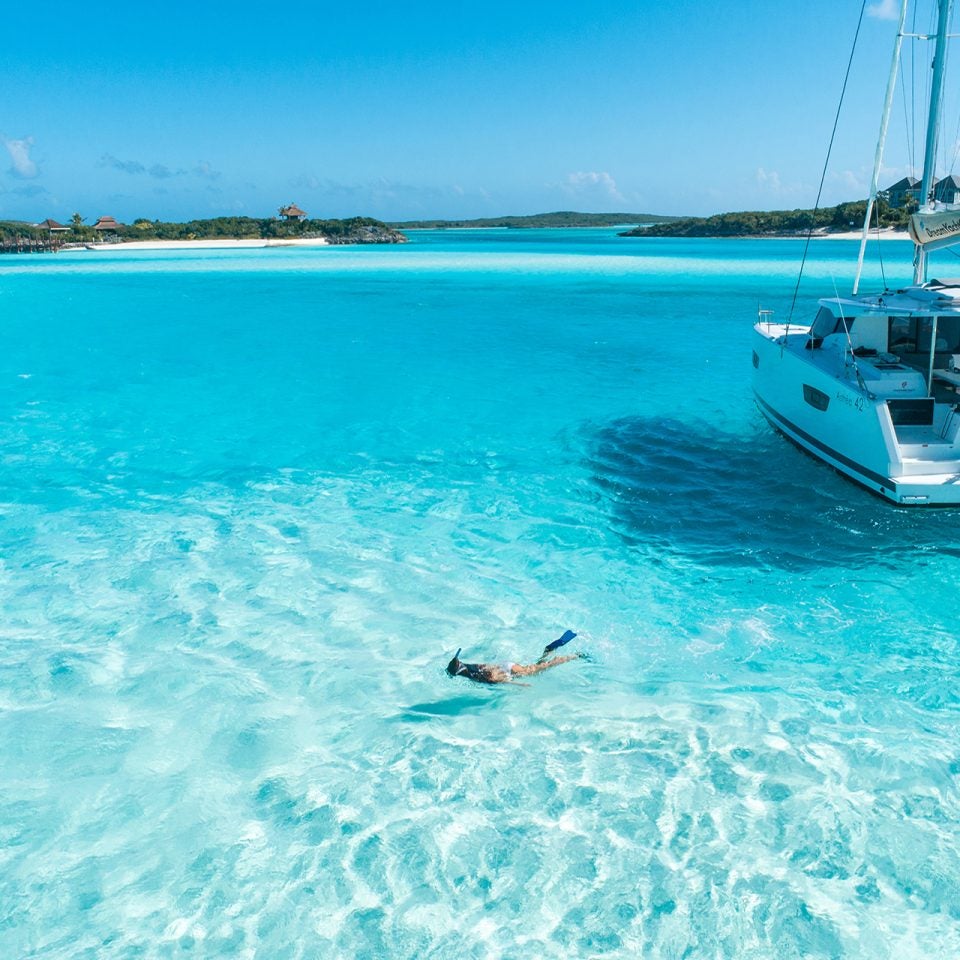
(505,672)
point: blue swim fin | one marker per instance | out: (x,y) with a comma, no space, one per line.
(550,647)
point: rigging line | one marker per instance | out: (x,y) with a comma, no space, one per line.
(883,272)
(944,148)
(909,105)
(906,115)
(956,149)
(928,83)
(826,162)
(956,137)
(948,168)
(850,351)
(913,95)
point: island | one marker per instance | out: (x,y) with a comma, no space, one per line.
(292,226)
(827,221)
(560,218)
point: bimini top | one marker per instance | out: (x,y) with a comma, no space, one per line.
(935,296)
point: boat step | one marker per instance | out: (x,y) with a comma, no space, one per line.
(917,468)
(929,451)
(918,440)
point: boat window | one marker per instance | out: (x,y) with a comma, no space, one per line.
(924,333)
(902,334)
(756,359)
(948,335)
(825,324)
(816,398)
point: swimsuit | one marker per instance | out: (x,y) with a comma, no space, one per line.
(480,672)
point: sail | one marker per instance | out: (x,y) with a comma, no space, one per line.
(935,230)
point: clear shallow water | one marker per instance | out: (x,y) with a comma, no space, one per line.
(252,501)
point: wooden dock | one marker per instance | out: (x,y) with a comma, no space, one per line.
(30,244)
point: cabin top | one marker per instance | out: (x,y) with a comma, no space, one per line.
(935,297)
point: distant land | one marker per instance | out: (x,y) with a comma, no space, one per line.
(22,237)
(778,223)
(562,218)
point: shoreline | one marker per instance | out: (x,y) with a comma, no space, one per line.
(858,234)
(840,235)
(584,226)
(227,243)
(224,243)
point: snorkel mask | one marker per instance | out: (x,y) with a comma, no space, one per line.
(455,666)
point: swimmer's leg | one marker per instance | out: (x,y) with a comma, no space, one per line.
(528,670)
(550,647)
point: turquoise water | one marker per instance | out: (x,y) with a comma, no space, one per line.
(252,501)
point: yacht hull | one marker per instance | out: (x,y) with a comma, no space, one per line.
(845,427)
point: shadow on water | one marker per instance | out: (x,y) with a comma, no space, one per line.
(451,707)
(749,500)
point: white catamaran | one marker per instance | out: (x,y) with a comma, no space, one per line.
(871,386)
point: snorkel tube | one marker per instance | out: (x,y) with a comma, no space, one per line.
(455,666)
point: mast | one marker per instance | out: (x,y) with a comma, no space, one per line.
(881,140)
(933,129)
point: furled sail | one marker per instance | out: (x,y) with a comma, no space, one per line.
(935,230)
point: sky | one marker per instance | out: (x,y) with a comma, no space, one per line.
(449,110)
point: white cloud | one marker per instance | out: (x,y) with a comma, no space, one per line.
(158,171)
(204,169)
(890,175)
(127,166)
(381,189)
(768,180)
(592,184)
(851,184)
(884,10)
(19,150)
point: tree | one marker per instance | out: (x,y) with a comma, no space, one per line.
(76,221)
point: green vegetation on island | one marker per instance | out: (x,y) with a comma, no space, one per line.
(353,230)
(11,229)
(561,218)
(787,223)
(21,237)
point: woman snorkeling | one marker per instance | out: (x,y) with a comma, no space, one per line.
(505,672)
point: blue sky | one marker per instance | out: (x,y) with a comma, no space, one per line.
(428,109)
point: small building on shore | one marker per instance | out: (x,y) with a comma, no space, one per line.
(947,190)
(903,191)
(292,212)
(907,191)
(51,226)
(107,225)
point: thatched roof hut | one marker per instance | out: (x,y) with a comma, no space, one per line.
(107,223)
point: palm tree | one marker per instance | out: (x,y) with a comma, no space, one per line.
(76,221)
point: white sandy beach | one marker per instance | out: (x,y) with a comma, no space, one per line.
(228,244)
(219,244)
(857,234)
